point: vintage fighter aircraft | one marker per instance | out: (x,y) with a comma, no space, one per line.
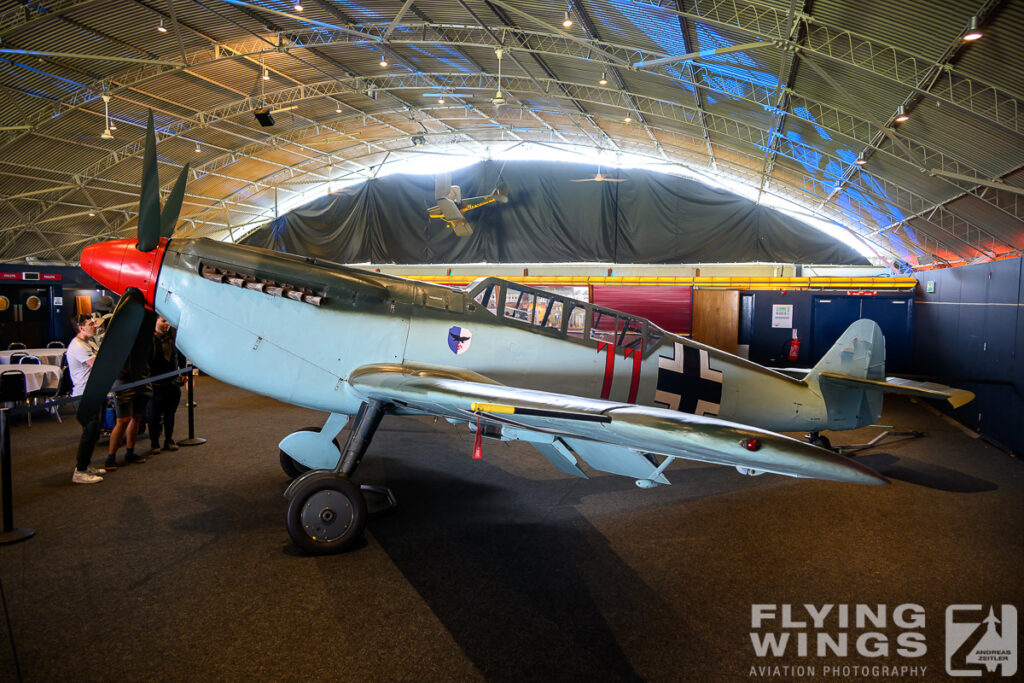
(450,204)
(581,383)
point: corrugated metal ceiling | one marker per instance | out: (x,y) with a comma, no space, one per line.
(788,118)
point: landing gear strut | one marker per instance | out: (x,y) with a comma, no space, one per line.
(327,512)
(819,440)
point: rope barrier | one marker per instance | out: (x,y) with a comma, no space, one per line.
(9,533)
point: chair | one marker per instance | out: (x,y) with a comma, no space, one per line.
(25,359)
(16,345)
(13,390)
(66,385)
(17,356)
(56,345)
(52,392)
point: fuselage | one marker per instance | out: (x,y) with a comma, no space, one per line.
(294,328)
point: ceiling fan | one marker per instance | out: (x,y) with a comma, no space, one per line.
(598,178)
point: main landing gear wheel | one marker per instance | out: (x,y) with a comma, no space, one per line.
(294,468)
(327,514)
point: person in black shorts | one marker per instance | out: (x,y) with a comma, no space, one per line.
(129,406)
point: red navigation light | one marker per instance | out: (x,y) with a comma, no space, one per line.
(751,444)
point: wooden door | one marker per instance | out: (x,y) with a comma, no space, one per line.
(716,318)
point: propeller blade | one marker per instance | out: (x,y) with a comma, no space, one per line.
(149,197)
(118,343)
(169,216)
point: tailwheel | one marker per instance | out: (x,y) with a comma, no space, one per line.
(326,514)
(292,467)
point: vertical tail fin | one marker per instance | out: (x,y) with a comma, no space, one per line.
(859,353)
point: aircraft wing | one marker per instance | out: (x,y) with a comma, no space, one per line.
(453,217)
(613,437)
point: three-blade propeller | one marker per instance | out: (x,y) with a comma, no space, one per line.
(130,328)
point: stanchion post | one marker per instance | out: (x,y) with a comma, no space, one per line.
(9,534)
(192,439)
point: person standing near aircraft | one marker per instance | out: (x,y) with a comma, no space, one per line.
(81,355)
(129,404)
(164,358)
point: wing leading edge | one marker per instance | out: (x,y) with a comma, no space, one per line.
(614,437)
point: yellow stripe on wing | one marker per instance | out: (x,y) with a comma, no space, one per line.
(491,408)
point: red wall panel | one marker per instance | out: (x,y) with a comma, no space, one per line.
(668,307)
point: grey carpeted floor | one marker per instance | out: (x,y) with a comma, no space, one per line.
(180,569)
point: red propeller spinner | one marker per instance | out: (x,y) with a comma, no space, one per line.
(118,265)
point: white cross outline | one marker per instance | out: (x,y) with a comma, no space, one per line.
(675,364)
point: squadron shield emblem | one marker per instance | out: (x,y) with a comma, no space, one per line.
(459,339)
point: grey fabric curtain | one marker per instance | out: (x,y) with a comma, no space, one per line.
(651,218)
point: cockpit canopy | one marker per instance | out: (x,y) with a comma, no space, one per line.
(563,316)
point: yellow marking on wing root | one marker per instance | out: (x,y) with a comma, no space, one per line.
(491,408)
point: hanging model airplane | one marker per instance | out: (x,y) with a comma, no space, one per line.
(581,383)
(598,178)
(450,204)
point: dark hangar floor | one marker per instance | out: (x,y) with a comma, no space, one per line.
(500,569)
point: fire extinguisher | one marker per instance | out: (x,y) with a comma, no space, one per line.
(794,348)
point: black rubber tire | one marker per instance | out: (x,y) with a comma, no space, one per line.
(296,469)
(327,514)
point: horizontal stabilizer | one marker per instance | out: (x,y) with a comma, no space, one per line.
(898,385)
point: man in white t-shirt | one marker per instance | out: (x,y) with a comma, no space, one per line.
(81,357)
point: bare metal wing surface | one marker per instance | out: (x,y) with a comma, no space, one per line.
(632,432)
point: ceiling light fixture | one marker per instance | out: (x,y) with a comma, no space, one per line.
(628,119)
(973,31)
(298,7)
(106,135)
(498,98)
(198,148)
(160,27)
(901,114)
(337,109)
(860,161)
(92,213)
(440,100)
(383,60)
(604,78)
(567,22)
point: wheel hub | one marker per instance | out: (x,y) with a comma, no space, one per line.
(326,515)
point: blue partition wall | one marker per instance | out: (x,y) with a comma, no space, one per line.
(969,333)
(820,318)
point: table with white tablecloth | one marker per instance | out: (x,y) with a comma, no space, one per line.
(37,376)
(45,356)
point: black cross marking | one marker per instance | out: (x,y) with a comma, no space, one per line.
(685,390)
